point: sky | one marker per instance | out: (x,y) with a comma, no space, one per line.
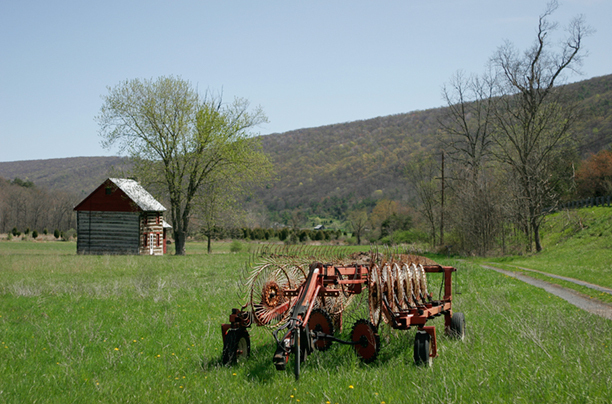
(306,63)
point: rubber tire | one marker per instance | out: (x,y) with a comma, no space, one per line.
(235,339)
(457,326)
(422,344)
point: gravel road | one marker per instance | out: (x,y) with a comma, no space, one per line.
(573,297)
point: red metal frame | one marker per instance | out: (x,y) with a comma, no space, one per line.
(354,278)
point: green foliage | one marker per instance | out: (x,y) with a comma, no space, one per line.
(56,233)
(236,246)
(45,231)
(26,231)
(25,184)
(283,234)
(15,232)
(34,234)
(405,237)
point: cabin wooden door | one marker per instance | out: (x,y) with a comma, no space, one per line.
(151,243)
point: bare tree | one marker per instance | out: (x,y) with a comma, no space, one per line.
(532,117)
(422,172)
(468,122)
(358,220)
(468,126)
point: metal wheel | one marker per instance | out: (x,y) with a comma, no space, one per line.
(422,349)
(368,341)
(399,288)
(320,321)
(374,294)
(386,285)
(408,288)
(424,291)
(416,283)
(266,296)
(236,347)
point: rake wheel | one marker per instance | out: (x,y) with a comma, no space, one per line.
(386,277)
(266,296)
(320,321)
(367,341)
(374,295)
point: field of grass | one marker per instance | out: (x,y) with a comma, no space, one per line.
(88,329)
(577,244)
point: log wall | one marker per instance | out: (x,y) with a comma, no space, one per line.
(108,232)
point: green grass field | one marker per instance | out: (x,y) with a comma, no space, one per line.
(105,329)
(577,244)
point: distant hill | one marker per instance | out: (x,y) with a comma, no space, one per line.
(334,167)
(76,175)
(330,167)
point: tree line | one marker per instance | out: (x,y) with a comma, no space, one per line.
(26,208)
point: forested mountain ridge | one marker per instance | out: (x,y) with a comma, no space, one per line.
(342,164)
(333,168)
(74,175)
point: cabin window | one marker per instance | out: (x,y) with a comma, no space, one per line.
(108,190)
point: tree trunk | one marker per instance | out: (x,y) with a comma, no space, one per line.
(179,242)
(536,236)
(209,244)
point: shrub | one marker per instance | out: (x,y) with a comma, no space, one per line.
(236,246)
(68,234)
(14,231)
(26,231)
(10,237)
(34,234)
(283,234)
(56,233)
(45,231)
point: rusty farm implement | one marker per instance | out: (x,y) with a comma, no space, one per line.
(303,300)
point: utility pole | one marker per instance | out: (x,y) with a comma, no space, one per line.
(442,205)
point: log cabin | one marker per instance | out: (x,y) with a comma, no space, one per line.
(121,217)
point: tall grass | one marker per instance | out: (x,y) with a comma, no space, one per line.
(147,329)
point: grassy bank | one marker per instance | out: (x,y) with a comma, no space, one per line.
(147,329)
(576,244)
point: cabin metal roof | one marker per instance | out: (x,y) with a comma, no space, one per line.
(138,195)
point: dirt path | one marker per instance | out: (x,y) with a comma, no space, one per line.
(577,299)
(572,280)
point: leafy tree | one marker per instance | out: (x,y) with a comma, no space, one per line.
(34,234)
(56,233)
(22,183)
(532,117)
(179,140)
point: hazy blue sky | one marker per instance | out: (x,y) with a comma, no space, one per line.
(307,63)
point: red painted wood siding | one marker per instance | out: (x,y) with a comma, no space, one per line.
(117,201)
